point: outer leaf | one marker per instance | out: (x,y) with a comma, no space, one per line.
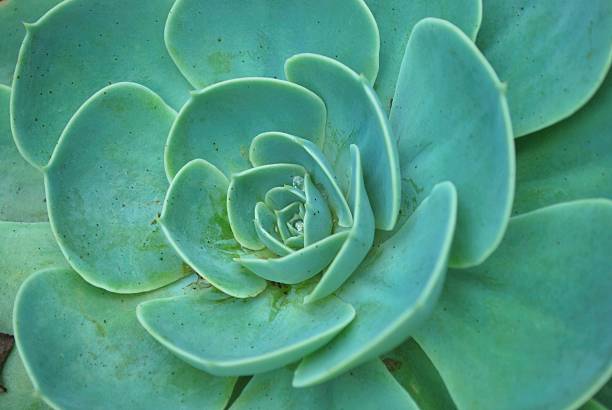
(243,337)
(105,186)
(218,123)
(194,219)
(396,18)
(451,118)
(569,51)
(355,117)
(22,193)
(84,348)
(20,393)
(12,15)
(411,367)
(24,248)
(79,47)
(369,387)
(571,160)
(530,318)
(394,289)
(217,40)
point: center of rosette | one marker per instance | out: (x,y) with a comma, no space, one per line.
(292,215)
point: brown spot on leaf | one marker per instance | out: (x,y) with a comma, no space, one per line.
(6,345)
(392,364)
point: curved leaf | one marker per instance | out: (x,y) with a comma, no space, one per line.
(79,47)
(396,19)
(266,228)
(24,248)
(13,13)
(358,242)
(568,54)
(529,319)
(194,219)
(20,393)
(369,387)
(393,290)
(22,192)
(243,337)
(451,118)
(217,40)
(218,123)
(105,186)
(354,117)
(570,160)
(101,356)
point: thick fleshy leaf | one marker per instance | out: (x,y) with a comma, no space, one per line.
(105,186)
(24,248)
(568,54)
(79,47)
(13,13)
(570,160)
(194,219)
(359,239)
(284,217)
(411,367)
(531,319)
(396,18)
(369,387)
(279,197)
(265,226)
(84,348)
(20,394)
(354,117)
(243,337)
(22,192)
(219,122)
(393,290)
(249,187)
(317,217)
(217,40)
(451,118)
(275,147)
(299,265)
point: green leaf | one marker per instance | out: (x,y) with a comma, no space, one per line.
(354,117)
(527,327)
(76,49)
(219,122)
(552,54)
(194,219)
(604,395)
(20,393)
(300,265)
(393,290)
(451,118)
(359,240)
(13,13)
(317,217)
(105,186)
(84,348)
(249,187)
(22,193)
(254,38)
(266,228)
(278,147)
(411,367)
(242,337)
(396,19)
(24,248)
(593,405)
(570,160)
(369,387)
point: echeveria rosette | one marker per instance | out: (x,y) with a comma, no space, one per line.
(322,229)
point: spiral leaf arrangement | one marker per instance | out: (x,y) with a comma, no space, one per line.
(250,204)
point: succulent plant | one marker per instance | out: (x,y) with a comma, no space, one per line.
(305,204)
